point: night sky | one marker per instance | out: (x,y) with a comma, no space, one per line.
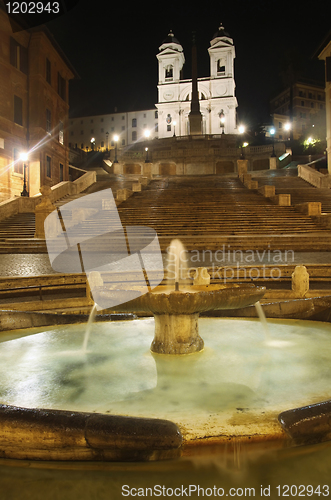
(113,48)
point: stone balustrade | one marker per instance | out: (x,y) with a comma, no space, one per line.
(314,177)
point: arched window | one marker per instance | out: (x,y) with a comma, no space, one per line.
(221,67)
(169,71)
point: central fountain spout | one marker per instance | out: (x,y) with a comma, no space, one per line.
(176,311)
(176,263)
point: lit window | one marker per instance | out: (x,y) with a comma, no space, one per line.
(61,133)
(18,164)
(18,56)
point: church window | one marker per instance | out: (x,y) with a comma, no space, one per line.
(134,135)
(134,122)
(156,114)
(156,127)
(220,67)
(168,128)
(169,72)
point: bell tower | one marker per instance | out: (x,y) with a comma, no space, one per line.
(171,60)
(222,83)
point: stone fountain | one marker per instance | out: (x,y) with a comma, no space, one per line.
(176,308)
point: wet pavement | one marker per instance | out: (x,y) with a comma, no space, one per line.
(39,264)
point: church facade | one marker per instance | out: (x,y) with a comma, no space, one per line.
(171,113)
(216,93)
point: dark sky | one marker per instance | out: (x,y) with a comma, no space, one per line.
(113,47)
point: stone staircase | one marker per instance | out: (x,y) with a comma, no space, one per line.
(287,182)
(205,212)
(211,212)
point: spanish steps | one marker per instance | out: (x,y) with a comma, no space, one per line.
(204,212)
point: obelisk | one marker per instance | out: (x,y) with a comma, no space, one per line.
(195,116)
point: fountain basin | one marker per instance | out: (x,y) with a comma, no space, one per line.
(233,391)
(176,313)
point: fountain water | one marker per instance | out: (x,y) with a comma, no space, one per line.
(88,327)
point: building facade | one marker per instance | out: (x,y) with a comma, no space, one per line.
(98,132)
(297,110)
(34,107)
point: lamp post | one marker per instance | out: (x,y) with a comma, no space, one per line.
(272,133)
(115,140)
(147,134)
(241,132)
(174,128)
(222,119)
(24,159)
(107,141)
(92,143)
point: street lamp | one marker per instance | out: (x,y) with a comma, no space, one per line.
(287,127)
(107,141)
(24,159)
(222,119)
(92,143)
(272,133)
(175,123)
(241,131)
(147,135)
(115,140)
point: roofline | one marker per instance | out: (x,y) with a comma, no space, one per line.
(322,45)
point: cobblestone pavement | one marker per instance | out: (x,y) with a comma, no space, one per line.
(38,264)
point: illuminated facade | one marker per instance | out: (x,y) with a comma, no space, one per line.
(302,106)
(216,93)
(97,132)
(170,117)
(34,76)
